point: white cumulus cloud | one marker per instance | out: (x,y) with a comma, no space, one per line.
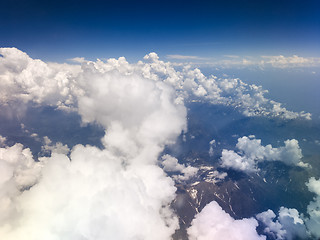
(94,194)
(2,140)
(27,79)
(214,223)
(171,164)
(287,225)
(313,222)
(18,171)
(251,152)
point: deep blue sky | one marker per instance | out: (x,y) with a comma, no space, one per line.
(57,30)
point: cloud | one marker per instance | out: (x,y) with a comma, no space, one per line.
(65,86)
(18,171)
(232,160)
(193,85)
(49,147)
(231,56)
(293,223)
(96,193)
(214,223)
(140,115)
(26,79)
(78,60)
(110,193)
(313,208)
(2,140)
(288,225)
(92,196)
(293,61)
(273,228)
(251,152)
(212,176)
(184,57)
(171,164)
(235,61)
(212,144)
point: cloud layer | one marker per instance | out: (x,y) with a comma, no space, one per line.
(262,62)
(109,193)
(64,85)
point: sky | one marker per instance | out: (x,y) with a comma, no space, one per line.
(58,30)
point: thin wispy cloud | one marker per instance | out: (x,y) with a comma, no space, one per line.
(281,61)
(77,59)
(185,57)
(235,61)
(231,56)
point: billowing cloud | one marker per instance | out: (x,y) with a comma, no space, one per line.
(110,193)
(313,222)
(288,225)
(64,85)
(93,196)
(231,159)
(140,115)
(214,223)
(95,193)
(273,228)
(251,152)
(171,164)
(25,79)
(18,171)
(293,223)
(49,147)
